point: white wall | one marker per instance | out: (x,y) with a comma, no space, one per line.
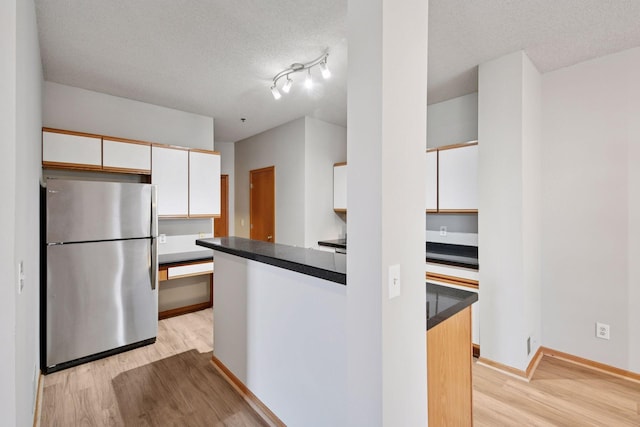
(20,112)
(283,334)
(227,167)
(387,86)
(8,21)
(71,108)
(453,121)
(282,147)
(590,216)
(508,222)
(325,144)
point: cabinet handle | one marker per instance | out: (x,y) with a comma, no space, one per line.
(269,237)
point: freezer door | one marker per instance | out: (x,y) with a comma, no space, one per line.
(81,211)
(100,296)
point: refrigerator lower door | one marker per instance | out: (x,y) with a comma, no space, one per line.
(100,296)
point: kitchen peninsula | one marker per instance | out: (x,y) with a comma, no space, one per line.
(280,329)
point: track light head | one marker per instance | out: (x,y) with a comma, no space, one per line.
(287,85)
(308,82)
(275,92)
(326,73)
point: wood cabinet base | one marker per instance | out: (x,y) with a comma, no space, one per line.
(449,363)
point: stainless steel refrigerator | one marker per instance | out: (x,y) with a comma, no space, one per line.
(99,295)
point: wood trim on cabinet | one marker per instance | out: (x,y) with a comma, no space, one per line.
(128,141)
(183,310)
(174,216)
(452,146)
(173,147)
(430,211)
(163,273)
(261,409)
(340,210)
(460,281)
(205,216)
(201,150)
(340,164)
(73,166)
(126,170)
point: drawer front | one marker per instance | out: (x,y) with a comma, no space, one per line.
(190,270)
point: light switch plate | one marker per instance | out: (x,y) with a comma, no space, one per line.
(394,281)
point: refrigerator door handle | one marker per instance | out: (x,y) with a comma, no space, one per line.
(154,211)
(154,263)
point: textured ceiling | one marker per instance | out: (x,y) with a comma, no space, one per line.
(217,58)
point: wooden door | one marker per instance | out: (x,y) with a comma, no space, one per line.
(262,204)
(221,224)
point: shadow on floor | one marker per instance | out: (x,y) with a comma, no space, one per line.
(182,390)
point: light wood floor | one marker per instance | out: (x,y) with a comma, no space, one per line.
(172,383)
(169,383)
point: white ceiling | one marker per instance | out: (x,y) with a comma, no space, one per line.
(217,58)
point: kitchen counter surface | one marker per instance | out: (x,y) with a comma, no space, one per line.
(324,265)
(182,257)
(336,243)
(444,302)
(454,255)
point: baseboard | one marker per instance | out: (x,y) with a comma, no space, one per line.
(37,413)
(261,409)
(601,367)
(517,373)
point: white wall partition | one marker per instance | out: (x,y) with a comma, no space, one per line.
(591,243)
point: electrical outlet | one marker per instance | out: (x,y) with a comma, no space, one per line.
(394,281)
(602,331)
(201,234)
(162,238)
(443,230)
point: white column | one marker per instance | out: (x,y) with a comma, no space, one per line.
(386,142)
(509,225)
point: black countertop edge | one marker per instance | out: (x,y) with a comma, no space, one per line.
(182,257)
(445,302)
(337,243)
(451,254)
(323,265)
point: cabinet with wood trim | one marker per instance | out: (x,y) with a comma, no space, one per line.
(432,181)
(119,155)
(71,150)
(340,187)
(182,270)
(204,183)
(454,169)
(170,172)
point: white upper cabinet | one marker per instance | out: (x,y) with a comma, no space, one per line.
(458,179)
(204,183)
(64,149)
(432,181)
(126,156)
(170,172)
(340,187)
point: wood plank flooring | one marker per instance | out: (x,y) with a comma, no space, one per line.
(169,383)
(172,383)
(559,394)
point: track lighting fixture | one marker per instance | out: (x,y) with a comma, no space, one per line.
(296,67)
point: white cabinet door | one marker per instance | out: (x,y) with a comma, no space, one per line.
(340,187)
(73,150)
(127,156)
(458,179)
(204,184)
(170,172)
(432,181)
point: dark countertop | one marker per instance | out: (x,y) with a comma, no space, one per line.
(443,302)
(180,257)
(337,243)
(454,255)
(324,265)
